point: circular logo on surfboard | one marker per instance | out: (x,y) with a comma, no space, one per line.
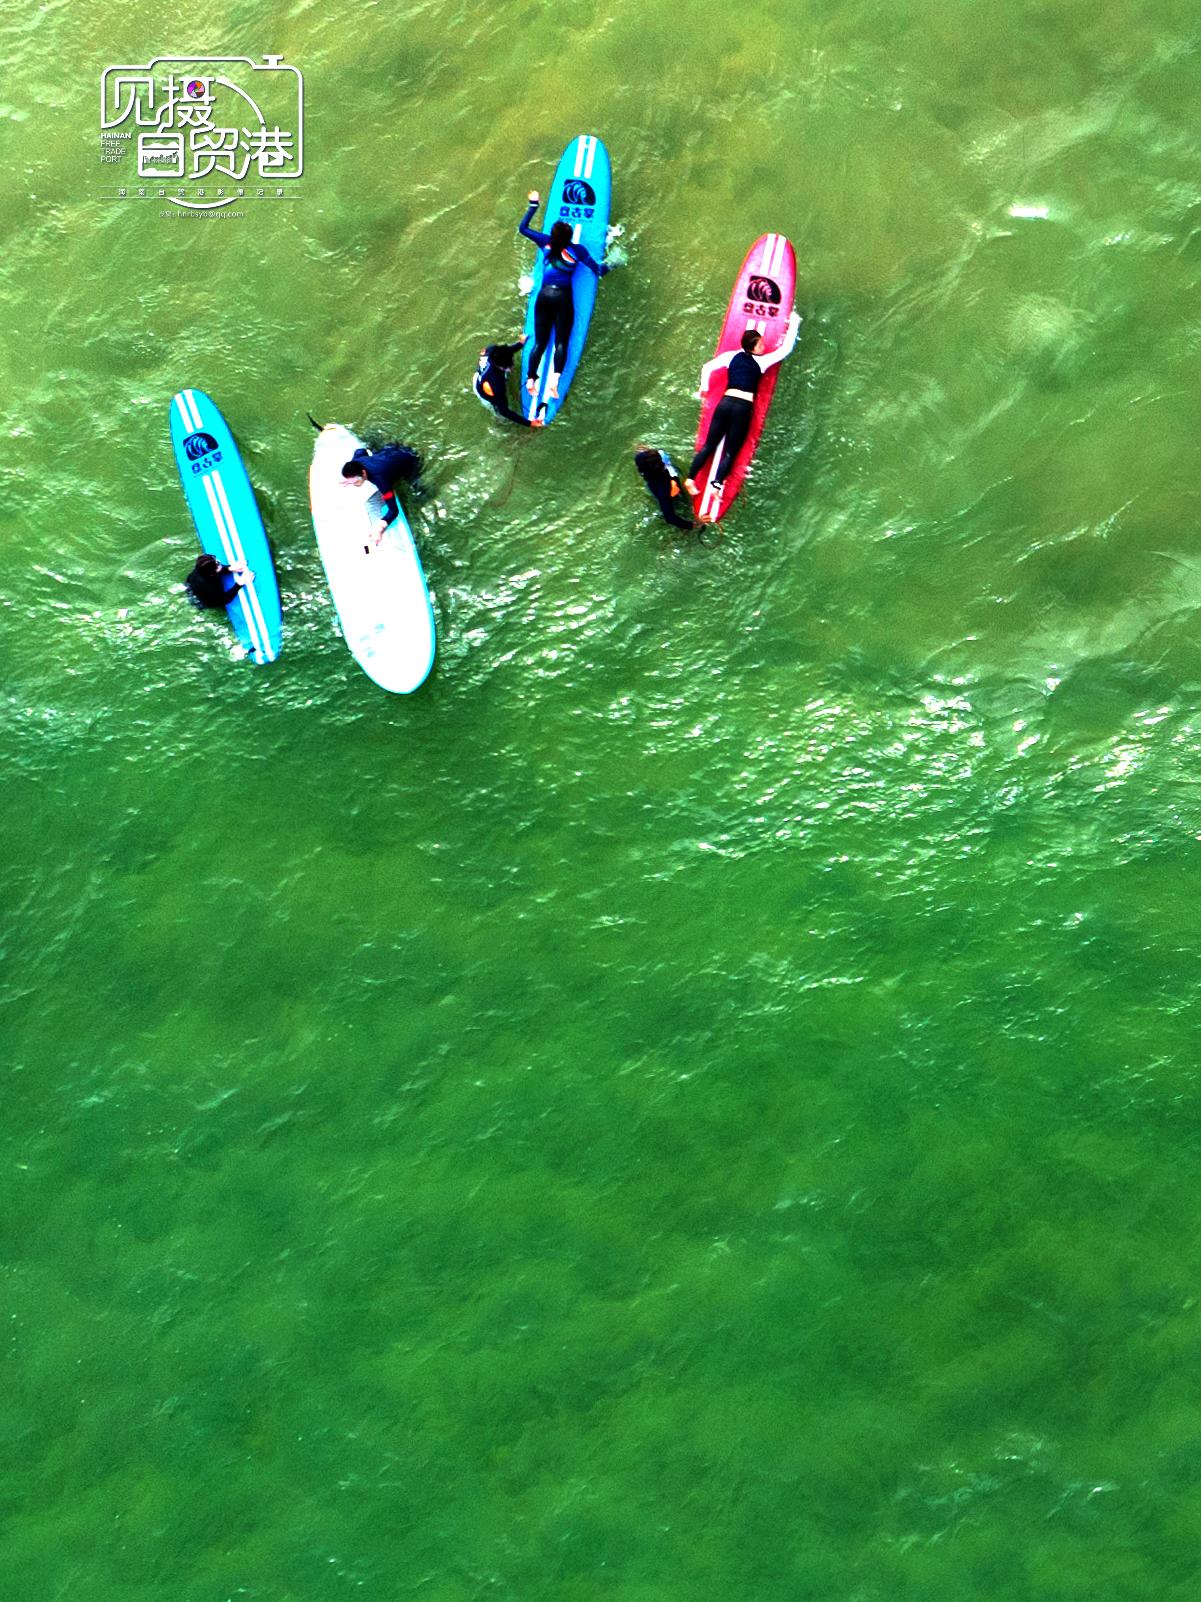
(577,193)
(198,445)
(765,290)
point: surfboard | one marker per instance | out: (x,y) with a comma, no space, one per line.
(579,194)
(226,515)
(763,297)
(379,590)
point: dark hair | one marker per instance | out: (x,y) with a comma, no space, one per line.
(352,469)
(750,339)
(560,235)
(207,563)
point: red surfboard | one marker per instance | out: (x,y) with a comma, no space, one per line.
(763,297)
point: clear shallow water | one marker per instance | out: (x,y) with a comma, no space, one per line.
(702,1099)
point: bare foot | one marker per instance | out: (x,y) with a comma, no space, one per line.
(690,486)
(531,385)
(552,387)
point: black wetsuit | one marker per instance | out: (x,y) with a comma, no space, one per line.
(491,381)
(554,310)
(663,481)
(211,585)
(386,468)
(731,419)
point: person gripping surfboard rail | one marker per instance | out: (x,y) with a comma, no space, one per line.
(491,381)
(213,584)
(731,420)
(554,310)
(383,470)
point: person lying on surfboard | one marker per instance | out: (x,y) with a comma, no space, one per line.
(383,469)
(491,382)
(212,583)
(554,310)
(731,418)
(659,473)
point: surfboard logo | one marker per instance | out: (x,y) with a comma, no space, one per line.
(762,297)
(579,199)
(198,445)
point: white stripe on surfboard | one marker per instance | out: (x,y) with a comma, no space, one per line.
(182,408)
(232,546)
(591,156)
(227,548)
(249,591)
(195,410)
(579,156)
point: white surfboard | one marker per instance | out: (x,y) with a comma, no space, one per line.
(379,590)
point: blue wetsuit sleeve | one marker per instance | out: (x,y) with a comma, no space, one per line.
(583,254)
(523,227)
(391,507)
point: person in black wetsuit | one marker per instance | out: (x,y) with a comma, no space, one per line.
(659,473)
(731,419)
(212,584)
(384,469)
(491,382)
(554,310)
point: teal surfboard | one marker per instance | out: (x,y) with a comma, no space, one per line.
(579,195)
(227,519)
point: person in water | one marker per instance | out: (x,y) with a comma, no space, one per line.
(661,478)
(212,584)
(731,418)
(383,469)
(491,382)
(554,310)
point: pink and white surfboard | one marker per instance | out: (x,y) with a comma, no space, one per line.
(763,298)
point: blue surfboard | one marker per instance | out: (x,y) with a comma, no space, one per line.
(227,519)
(579,194)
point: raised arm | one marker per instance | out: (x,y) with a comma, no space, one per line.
(523,227)
(771,357)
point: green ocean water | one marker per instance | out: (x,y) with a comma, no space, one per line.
(701,1101)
